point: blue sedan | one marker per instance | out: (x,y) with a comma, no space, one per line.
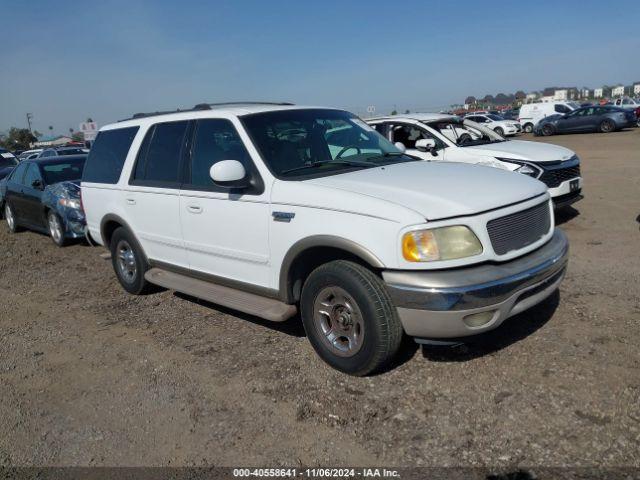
(44,195)
(593,118)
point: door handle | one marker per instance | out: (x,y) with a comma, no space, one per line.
(131,201)
(194,208)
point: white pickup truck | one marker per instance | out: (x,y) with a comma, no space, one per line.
(629,104)
(278,210)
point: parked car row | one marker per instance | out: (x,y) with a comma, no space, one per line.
(277,210)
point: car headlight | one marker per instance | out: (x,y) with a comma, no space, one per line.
(524,167)
(70,203)
(444,243)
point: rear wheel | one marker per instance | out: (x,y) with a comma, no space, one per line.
(56,229)
(547,130)
(349,318)
(528,127)
(129,263)
(607,126)
(10,217)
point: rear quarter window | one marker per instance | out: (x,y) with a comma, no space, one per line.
(107,156)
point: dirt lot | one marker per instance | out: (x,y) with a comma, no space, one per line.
(92,376)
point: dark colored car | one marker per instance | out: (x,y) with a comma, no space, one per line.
(62,151)
(7,163)
(595,118)
(44,195)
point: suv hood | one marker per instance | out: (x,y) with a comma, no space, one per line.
(438,190)
(522,150)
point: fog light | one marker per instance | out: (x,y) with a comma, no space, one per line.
(479,319)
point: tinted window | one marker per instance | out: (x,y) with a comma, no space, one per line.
(63,171)
(32,175)
(561,108)
(108,154)
(8,161)
(18,173)
(161,161)
(215,140)
(70,151)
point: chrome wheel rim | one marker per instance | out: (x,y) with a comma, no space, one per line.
(126,261)
(55,229)
(339,321)
(8,214)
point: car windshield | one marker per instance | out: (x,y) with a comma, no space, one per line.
(8,161)
(573,105)
(62,171)
(495,117)
(318,142)
(465,133)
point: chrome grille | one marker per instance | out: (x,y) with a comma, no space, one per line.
(516,231)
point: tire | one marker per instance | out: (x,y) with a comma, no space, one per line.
(129,263)
(10,218)
(499,131)
(56,229)
(547,130)
(527,128)
(349,318)
(607,126)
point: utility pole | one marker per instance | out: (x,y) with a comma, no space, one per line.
(29,117)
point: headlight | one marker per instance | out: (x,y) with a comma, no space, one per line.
(70,203)
(524,167)
(445,243)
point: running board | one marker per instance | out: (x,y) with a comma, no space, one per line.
(263,307)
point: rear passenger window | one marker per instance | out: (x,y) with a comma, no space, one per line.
(215,140)
(107,156)
(158,162)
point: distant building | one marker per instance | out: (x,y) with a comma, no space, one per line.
(532,97)
(52,141)
(561,94)
(598,93)
(585,93)
(617,91)
(636,88)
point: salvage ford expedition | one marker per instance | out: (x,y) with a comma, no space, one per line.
(275,209)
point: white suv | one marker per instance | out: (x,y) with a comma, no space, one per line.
(274,209)
(436,136)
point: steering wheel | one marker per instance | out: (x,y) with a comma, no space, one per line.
(346,149)
(464,138)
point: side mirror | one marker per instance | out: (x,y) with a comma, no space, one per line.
(425,144)
(400,146)
(229,173)
(37,184)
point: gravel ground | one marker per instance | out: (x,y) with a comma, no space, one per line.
(92,376)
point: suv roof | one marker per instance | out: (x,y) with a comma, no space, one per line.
(209,106)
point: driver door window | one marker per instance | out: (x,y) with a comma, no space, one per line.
(408,135)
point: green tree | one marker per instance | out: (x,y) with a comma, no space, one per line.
(77,137)
(394,112)
(18,139)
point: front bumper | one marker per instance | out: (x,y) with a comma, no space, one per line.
(434,304)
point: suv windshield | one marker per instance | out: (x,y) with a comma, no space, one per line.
(465,133)
(318,142)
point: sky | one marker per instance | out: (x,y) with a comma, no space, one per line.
(65,61)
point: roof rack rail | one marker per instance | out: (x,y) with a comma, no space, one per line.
(200,106)
(209,106)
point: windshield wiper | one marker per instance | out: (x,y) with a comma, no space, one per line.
(320,163)
(387,155)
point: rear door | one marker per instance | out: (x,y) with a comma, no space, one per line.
(15,190)
(152,197)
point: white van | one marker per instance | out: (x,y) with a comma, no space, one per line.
(532,113)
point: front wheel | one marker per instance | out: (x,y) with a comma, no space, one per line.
(547,130)
(56,229)
(499,131)
(349,318)
(607,126)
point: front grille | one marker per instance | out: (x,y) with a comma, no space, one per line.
(516,231)
(554,177)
